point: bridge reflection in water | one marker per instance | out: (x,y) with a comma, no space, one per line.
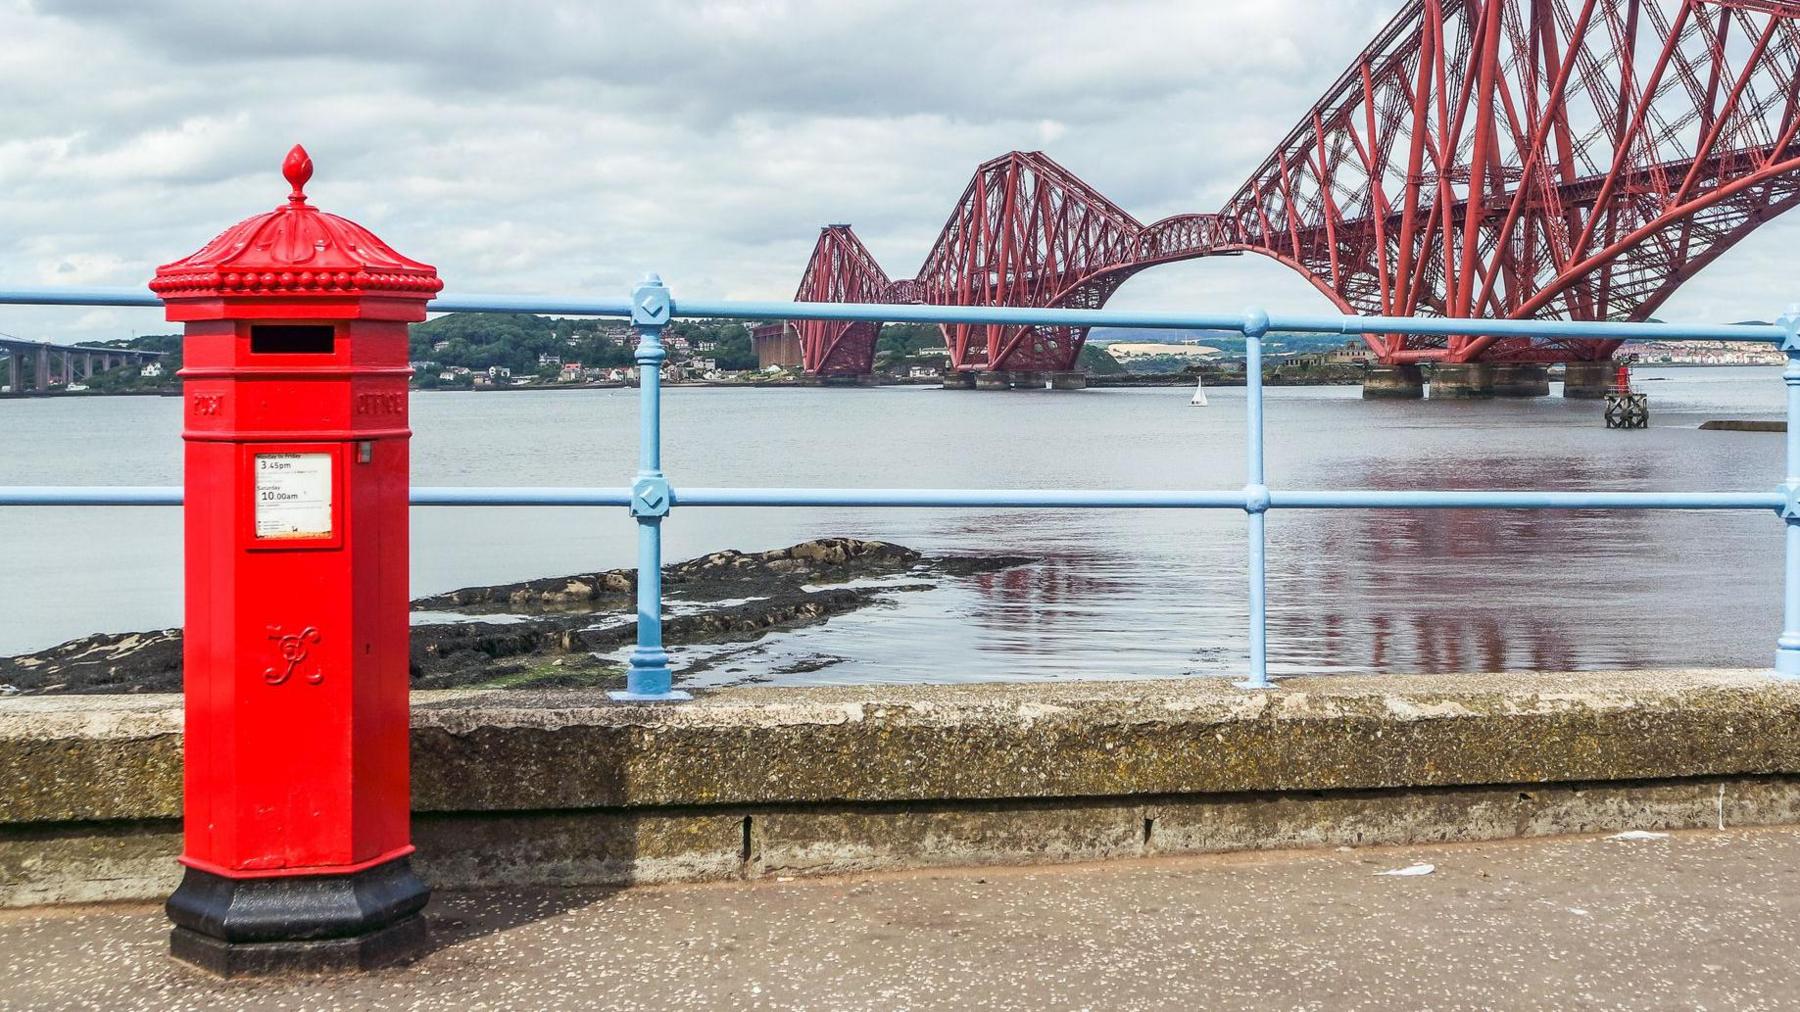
(1389,591)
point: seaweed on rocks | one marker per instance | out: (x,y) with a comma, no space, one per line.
(714,577)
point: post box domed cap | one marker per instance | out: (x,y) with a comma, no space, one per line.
(296,250)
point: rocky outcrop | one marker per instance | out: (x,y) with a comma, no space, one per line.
(708,578)
(555,632)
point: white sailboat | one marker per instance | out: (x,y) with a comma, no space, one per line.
(1199,398)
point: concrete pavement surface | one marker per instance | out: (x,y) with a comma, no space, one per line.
(1696,920)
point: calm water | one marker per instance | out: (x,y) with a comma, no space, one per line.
(1119,594)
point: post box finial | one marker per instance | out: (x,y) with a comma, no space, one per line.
(293,251)
(298,168)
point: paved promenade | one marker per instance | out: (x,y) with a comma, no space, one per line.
(1697,920)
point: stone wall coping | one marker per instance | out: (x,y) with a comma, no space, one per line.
(1402,696)
(88,758)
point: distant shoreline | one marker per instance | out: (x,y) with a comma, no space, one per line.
(52,394)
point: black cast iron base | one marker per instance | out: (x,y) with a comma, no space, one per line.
(396,943)
(302,924)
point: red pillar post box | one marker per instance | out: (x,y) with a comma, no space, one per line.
(294,384)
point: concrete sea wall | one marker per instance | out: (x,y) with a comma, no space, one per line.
(554,788)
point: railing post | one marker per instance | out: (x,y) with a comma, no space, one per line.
(1256,499)
(1787,648)
(647,677)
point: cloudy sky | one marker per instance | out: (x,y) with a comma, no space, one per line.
(568,147)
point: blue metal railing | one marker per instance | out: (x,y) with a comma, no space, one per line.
(651,497)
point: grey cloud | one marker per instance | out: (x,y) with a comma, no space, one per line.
(1078,60)
(546,146)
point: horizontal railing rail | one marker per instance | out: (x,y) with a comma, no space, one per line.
(652,496)
(964,498)
(883,312)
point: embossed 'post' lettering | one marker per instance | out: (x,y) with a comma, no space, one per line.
(381,404)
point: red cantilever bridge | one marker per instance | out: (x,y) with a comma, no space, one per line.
(1573,159)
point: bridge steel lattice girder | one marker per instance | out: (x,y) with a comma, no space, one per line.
(1574,159)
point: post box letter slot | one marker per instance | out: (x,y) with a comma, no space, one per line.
(291,339)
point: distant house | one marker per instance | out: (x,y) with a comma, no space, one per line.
(1352,353)
(152,370)
(922,372)
(571,372)
(703,364)
(499,372)
(482,380)
(439,345)
(707,346)
(546,358)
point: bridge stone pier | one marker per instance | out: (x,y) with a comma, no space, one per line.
(1521,380)
(1588,380)
(1394,383)
(1467,381)
(1481,380)
(1011,379)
